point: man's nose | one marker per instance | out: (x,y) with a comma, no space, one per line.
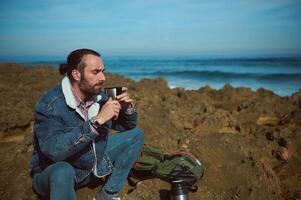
(102,76)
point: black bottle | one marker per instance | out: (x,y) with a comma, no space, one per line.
(179,190)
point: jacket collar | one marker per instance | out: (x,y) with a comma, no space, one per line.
(71,102)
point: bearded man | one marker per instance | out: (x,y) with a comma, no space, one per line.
(72,147)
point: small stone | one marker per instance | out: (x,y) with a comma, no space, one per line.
(228,130)
(184,146)
(268,121)
(188,125)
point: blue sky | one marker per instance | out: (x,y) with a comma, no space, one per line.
(157,27)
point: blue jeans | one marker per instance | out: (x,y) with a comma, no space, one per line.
(57,180)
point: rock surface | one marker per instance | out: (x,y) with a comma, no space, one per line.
(249,141)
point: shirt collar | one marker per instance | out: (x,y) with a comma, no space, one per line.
(80,102)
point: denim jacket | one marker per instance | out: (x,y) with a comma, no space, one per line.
(61,133)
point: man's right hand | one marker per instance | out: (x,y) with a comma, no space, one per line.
(108,111)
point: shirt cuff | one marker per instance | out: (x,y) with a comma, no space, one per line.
(93,129)
(130,110)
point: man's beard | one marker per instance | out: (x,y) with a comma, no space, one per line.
(89,90)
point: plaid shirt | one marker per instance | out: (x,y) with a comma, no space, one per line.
(84,106)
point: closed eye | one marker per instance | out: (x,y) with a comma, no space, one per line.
(96,71)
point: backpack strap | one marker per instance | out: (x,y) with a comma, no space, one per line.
(182,153)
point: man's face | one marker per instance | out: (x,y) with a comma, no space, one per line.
(92,77)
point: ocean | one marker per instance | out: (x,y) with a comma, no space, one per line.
(281,75)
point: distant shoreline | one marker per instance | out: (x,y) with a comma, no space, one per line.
(280,75)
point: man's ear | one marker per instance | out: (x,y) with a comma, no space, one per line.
(76,75)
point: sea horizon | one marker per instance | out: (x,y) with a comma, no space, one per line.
(282,75)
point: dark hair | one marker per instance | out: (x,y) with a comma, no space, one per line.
(75,61)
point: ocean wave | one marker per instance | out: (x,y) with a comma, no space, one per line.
(167,61)
(221,75)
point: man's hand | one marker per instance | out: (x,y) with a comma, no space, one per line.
(108,111)
(124,99)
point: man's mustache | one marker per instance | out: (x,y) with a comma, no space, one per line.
(99,83)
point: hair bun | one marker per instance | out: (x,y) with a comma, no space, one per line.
(63,69)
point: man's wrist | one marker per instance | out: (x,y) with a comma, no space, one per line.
(96,123)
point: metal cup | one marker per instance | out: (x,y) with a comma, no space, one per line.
(113,92)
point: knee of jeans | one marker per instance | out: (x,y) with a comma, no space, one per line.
(63,173)
(139,136)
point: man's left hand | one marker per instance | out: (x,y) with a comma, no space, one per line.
(124,99)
